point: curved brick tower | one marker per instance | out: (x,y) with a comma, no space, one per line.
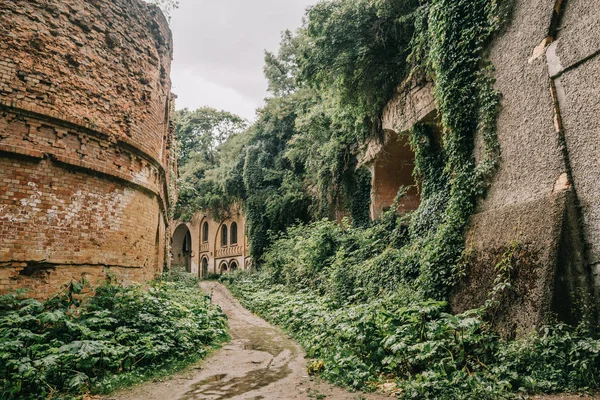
(85,141)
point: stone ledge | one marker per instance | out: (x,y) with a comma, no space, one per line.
(78,125)
(22,151)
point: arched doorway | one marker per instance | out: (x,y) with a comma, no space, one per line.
(233,266)
(182,249)
(204,268)
(393,168)
(223,268)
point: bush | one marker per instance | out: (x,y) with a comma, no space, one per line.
(426,351)
(66,347)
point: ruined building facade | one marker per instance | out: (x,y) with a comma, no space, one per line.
(206,245)
(85,141)
(546,193)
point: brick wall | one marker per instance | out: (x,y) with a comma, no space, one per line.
(84,142)
(211,247)
(105,64)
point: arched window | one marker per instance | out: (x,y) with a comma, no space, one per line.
(233,266)
(234,238)
(223,268)
(205,232)
(224,235)
(204,268)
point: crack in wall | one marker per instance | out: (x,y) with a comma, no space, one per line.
(555,71)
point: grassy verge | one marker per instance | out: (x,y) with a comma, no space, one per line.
(70,346)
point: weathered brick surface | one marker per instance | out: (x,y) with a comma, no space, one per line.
(84,141)
(104,64)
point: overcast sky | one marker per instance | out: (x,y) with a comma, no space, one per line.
(219,50)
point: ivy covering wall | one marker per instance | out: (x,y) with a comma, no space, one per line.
(367,299)
(330,82)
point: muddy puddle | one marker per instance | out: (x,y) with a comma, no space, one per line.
(221,387)
(268,371)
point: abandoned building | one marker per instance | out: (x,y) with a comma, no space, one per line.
(85,141)
(86,155)
(205,246)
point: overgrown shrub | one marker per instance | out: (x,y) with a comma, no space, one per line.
(426,352)
(66,347)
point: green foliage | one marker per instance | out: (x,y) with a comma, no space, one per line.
(200,132)
(349,264)
(427,352)
(281,69)
(210,143)
(330,81)
(457,32)
(66,347)
(358,49)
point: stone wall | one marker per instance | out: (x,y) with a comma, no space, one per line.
(85,140)
(545,196)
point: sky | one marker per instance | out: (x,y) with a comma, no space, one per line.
(219,50)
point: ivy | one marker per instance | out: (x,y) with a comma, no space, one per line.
(415,349)
(449,45)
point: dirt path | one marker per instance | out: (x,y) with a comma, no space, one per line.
(261,362)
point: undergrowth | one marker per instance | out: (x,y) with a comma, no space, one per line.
(72,345)
(426,352)
(341,292)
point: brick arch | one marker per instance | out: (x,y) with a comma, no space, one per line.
(223,267)
(391,169)
(182,245)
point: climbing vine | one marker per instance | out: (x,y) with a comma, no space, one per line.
(449,44)
(366,298)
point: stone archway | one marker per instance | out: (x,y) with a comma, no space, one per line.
(223,268)
(393,168)
(182,249)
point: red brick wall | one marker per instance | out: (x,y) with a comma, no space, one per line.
(104,63)
(84,141)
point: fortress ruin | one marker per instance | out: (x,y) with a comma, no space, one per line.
(85,142)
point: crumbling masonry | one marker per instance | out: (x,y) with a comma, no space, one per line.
(85,141)
(545,198)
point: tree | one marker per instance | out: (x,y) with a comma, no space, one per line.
(201,131)
(281,69)
(210,143)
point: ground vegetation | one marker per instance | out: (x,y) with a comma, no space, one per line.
(76,344)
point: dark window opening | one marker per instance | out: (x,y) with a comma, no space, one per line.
(224,268)
(205,232)
(204,268)
(224,235)
(187,251)
(233,266)
(234,233)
